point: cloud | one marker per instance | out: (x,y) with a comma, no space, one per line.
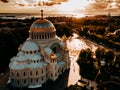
(5,1)
(113,6)
(59,0)
(39,2)
(21,4)
(97,6)
(104,7)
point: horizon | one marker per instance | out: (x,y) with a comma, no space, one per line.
(72,7)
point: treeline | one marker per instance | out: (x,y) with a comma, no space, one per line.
(106,34)
(101,66)
(13,32)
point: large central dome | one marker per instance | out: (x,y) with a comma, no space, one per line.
(42,25)
(42,29)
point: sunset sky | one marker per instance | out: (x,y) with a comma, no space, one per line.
(60,6)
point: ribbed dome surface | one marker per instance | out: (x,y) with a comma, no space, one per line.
(36,57)
(30,46)
(42,25)
(21,58)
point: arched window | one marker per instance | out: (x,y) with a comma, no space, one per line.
(42,36)
(39,36)
(37,80)
(54,49)
(30,52)
(26,52)
(36,72)
(34,51)
(45,36)
(17,74)
(24,73)
(42,78)
(42,71)
(31,80)
(18,82)
(24,81)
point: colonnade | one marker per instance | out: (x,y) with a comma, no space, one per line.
(42,35)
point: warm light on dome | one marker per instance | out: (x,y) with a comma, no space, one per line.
(42,25)
(53,56)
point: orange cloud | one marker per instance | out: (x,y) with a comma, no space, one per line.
(5,1)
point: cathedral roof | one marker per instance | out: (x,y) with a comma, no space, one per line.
(42,25)
(37,65)
(36,57)
(30,46)
(16,65)
(21,58)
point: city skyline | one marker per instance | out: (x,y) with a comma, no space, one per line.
(77,7)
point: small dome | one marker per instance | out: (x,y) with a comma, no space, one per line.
(42,25)
(21,58)
(36,57)
(30,46)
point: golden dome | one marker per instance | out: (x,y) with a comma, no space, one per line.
(53,56)
(42,25)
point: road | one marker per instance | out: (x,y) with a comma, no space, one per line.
(75,45)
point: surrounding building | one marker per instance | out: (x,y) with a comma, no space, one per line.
(41,57)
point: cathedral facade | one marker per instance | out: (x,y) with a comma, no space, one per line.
(41,57)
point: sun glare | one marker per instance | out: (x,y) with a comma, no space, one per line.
(79,15)
(78,4)
(73,5)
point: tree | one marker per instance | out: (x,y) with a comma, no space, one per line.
(86,54)
(109,56)
(76,87)
(100,54)
(86,64)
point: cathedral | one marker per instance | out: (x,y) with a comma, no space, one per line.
(43,56)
